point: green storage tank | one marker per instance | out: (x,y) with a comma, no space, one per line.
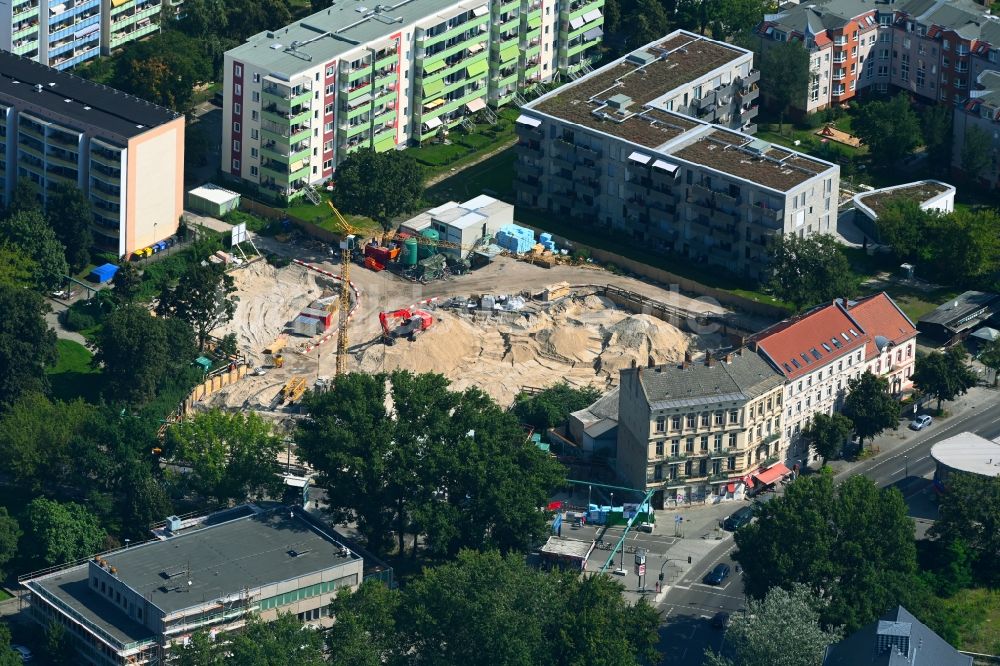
(410,257)
(429,246)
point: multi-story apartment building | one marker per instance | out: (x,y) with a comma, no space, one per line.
(934,49)
(982,111)
(64,33)
(630,148)
(135,605)
(819,351)
(300,99)
(125,154)
(695,430)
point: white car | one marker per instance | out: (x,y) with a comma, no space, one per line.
(920,422)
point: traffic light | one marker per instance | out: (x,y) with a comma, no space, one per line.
(661,577)
(689,559)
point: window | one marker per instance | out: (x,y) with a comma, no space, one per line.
(690,420)
(236,145)
(254,134)
(675,423)
(720,418)
(704,443)
(718,443)
(256,97)
(658,473)
(256,77)
(236,164)
(237,109)
(661,424)
(734,416)
(675,447)
(237,89)
(732,440)
(253,171)
(705,418)
(689,445)
(732,463)
(659,449)
(238,70)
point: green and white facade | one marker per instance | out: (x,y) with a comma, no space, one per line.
(300,99)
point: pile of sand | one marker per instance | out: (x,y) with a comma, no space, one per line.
(582,341)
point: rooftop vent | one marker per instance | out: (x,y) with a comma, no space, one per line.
(620,102)
(641,57)
(758,147)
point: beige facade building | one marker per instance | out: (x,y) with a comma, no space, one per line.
(699,430)
(125,154)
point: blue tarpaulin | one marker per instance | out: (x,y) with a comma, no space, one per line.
(103,273)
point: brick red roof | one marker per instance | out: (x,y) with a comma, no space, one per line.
(879,316)
(800,345)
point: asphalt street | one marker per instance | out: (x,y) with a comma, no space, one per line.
(689,605)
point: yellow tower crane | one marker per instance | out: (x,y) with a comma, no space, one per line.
(347,246)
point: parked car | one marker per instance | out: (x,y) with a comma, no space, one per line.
(721,620)
(920,422)
(717,575)
(26,656)
(738,519)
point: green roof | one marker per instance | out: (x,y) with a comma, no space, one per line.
(331,33)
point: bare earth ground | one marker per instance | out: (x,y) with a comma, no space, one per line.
(583,340)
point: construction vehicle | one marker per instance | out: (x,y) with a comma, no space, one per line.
(414,323)
(293,389)
(272,354)
(348,245)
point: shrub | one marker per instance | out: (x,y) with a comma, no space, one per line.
(78,320)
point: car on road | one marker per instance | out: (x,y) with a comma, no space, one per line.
(738,519)
(24,653)
(718,574)
(921,422)
(721,620)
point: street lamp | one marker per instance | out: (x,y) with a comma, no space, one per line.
(589,488)
(906,466)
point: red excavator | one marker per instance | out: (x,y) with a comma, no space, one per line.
(414,323)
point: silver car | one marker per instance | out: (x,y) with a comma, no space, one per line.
(920,422)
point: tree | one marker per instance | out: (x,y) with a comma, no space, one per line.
(975,152)
(782,628)
(70,216)
(807,271)
(24,198)
(30,233)
(935,124)
(10,532)
(902,225)
(58,647)
(164,69)
(271,644)
(649,21)
(827,434)
(784,75)
(127,283)
(451,466)
(232,456)
(890,129)
(969,514)
(201,650)
(205,17)
(943,376)
(62,532)
(736,17)
(27,345)
(552,406)
(852,545)
(365,631)
(963,246)
(36,441)
(378,185)
(7,655)
(870,406)
(132,348)
(990,357)
(201,298)
(17,269)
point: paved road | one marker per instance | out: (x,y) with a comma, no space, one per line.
(689,605)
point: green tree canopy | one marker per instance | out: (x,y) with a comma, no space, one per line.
(552,406)
(969,514)
(870,406)
(990,357)
(37,441)
(202,298)
(10,532)
(828,433)
(975,157)
(935,125)
(450,466)
(649,21)
(943,376)
(891,129)
(782,628)
(127,283)
(784,76)
(17,269)
(808,271)
(962,247)
(70,215)
(25,197)
(233,457)
(163,69)
(7,655)
(29,233)
(378,185)
(852,545)
(365,633)
(902,225)
(27,344)
(62,532)
(272,643)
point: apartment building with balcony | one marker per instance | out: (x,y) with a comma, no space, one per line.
(298,100)
(981,111)
(125,154)
(695,430)
(934,49)
(820,351)
(64,33)
(137,605)
(650,147)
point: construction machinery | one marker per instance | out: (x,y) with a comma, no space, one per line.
(348,245)
(293,389)
(414,323)
(272,354)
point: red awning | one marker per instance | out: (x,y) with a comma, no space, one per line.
(748,481)
(555,506)
(731,487)
(772,474)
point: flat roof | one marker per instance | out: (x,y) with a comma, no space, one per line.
(679,59)
(221,560)
(214,193)
(71,588)
(968,452)
(328,34)
(919,192)
(77,99)
(956,308)
(565,547)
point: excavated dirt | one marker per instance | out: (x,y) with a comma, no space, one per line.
(583,340)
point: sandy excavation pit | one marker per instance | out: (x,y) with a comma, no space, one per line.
(584,340)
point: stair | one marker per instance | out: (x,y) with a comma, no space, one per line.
(312,194)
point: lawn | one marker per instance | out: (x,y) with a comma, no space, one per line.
(914,302)
(465,146)
(494,176)
(4,596)
(72,376)
(977,612)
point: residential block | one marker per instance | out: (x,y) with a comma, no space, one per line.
(299,100)
(657,148)
(125,154)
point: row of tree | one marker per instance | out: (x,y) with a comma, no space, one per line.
(483,608)
(632,23)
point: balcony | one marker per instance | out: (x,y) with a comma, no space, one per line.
(286,98)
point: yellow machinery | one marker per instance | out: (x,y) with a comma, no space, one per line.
(347,247)
(294,389)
